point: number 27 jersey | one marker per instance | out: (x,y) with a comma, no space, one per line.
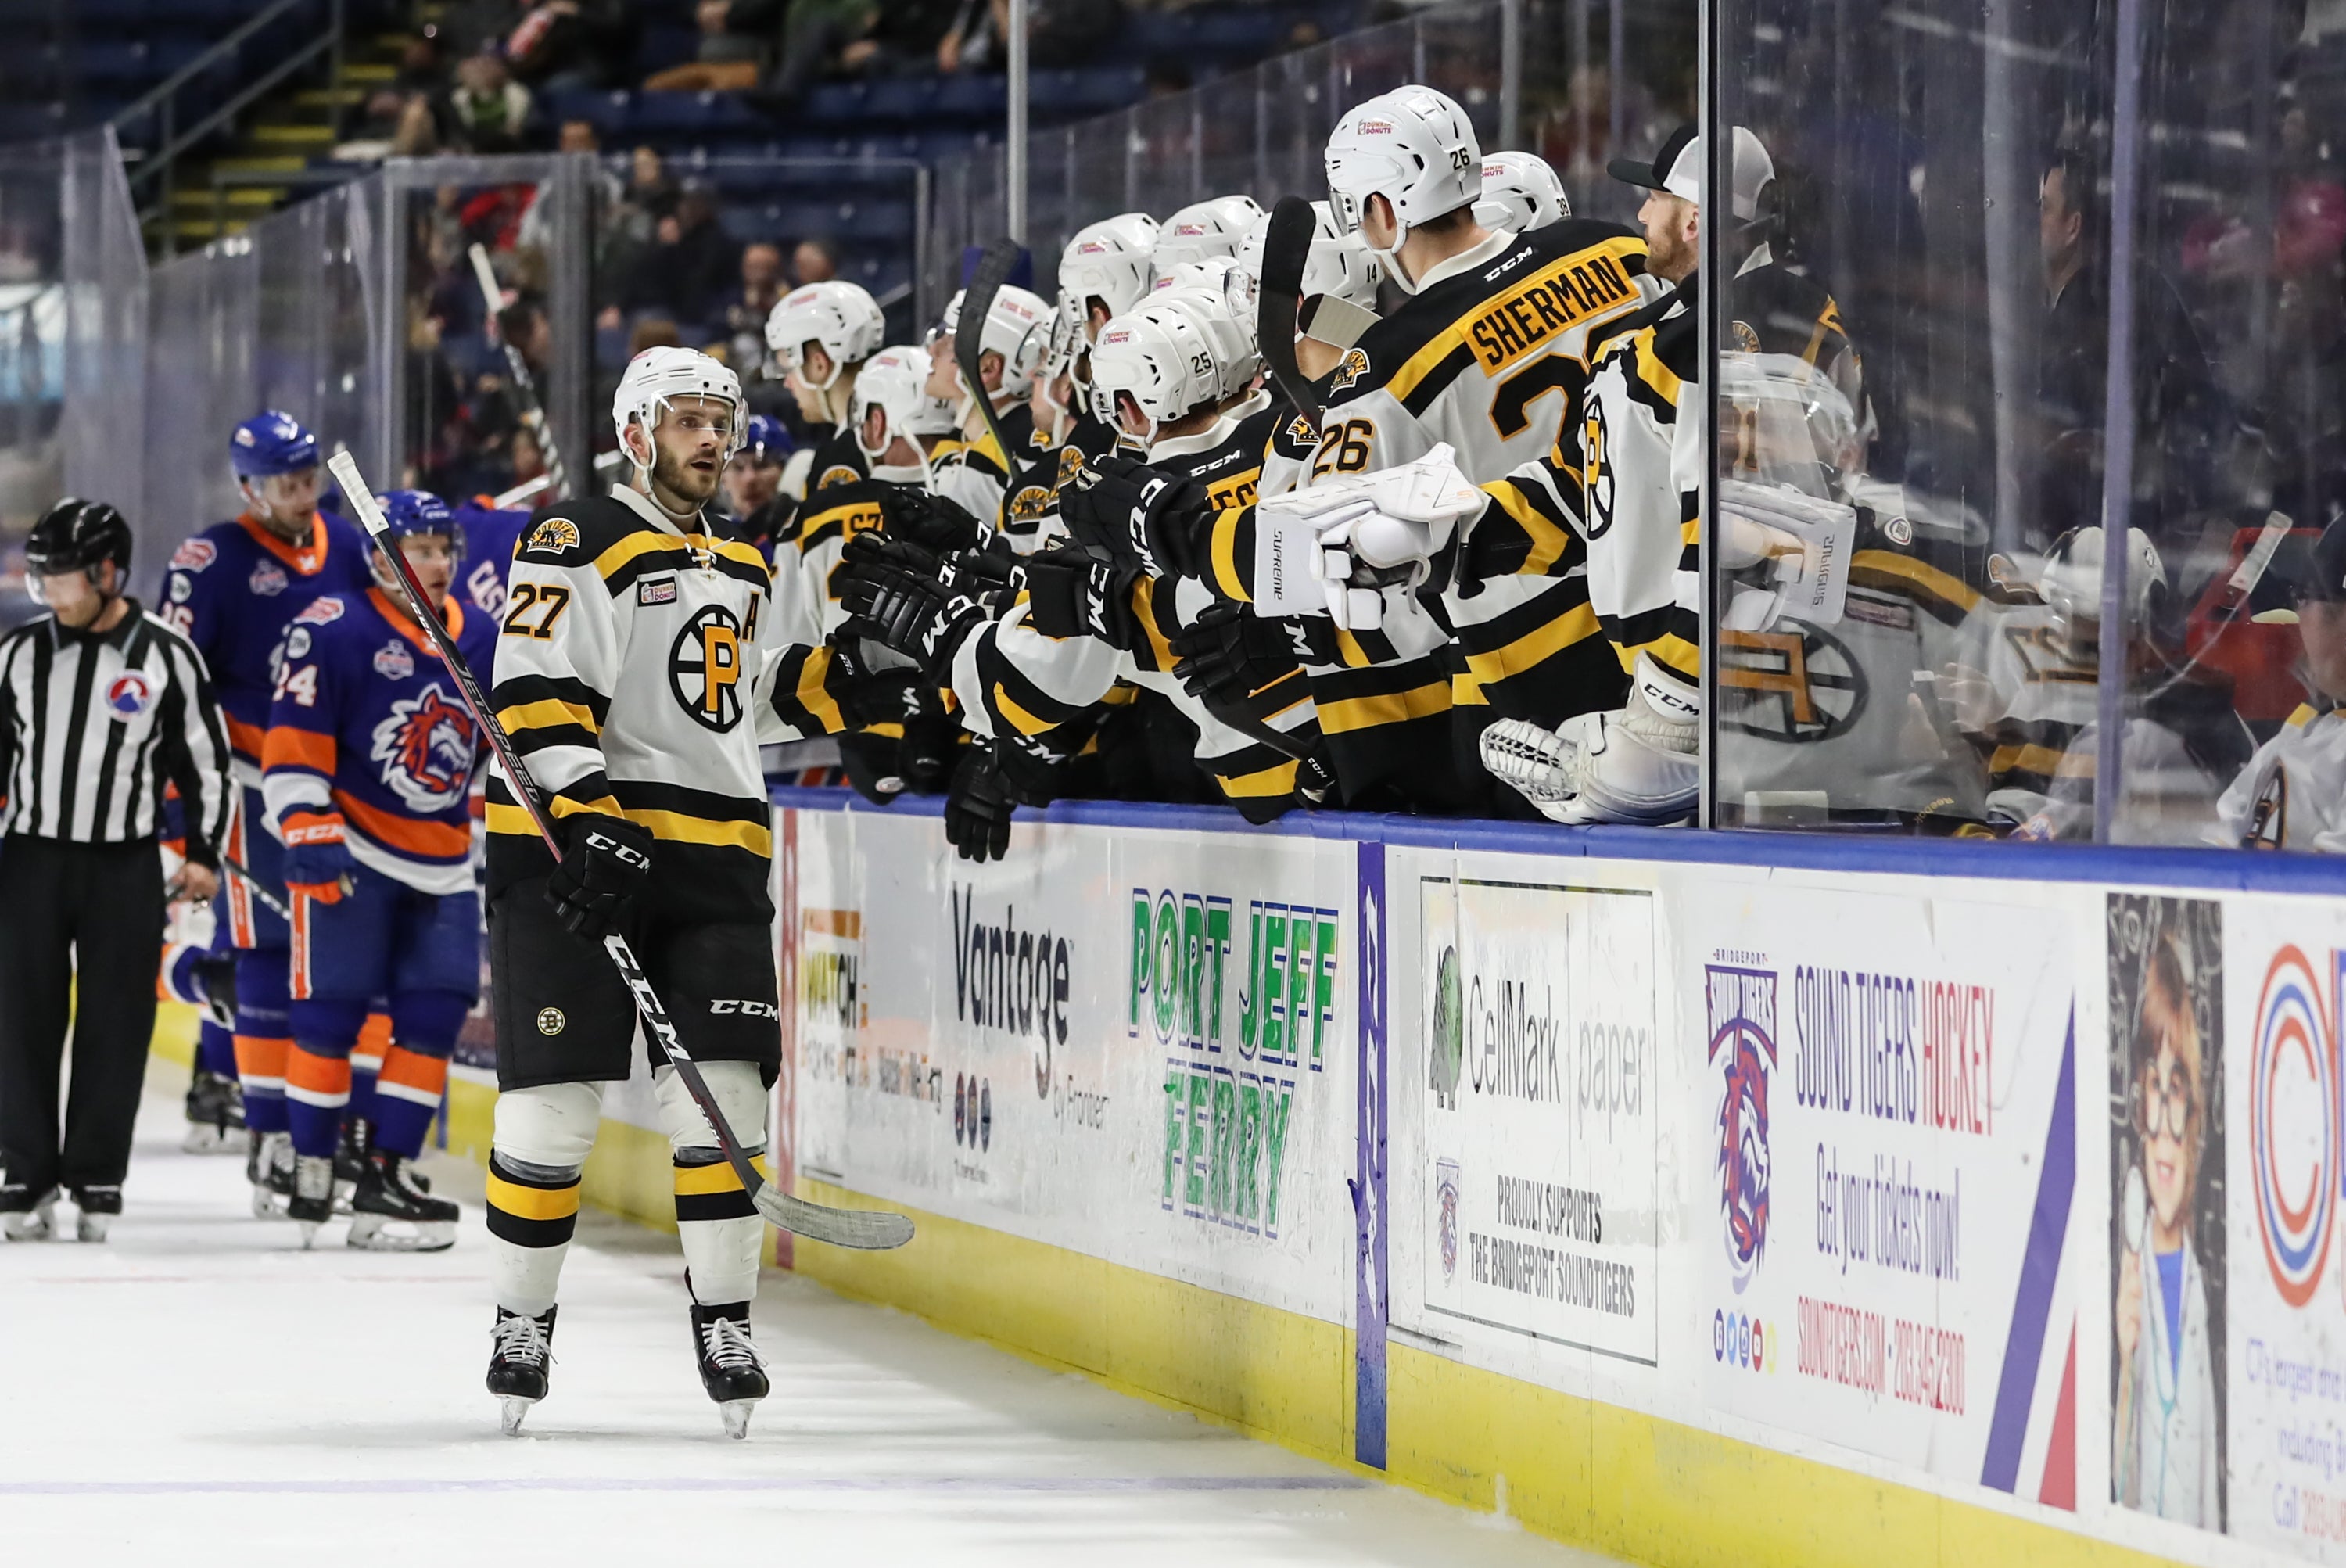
(626,671)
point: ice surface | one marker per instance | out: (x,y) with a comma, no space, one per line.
(198,1390)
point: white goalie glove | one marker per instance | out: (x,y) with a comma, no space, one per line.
(1804,542)
(1641,764)
(1365,534)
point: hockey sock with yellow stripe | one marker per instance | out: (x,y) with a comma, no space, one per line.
(533,1214)
(718,1226)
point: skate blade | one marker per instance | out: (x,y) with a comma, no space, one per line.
(309,1233)
(373,1233)
(514,1408)
(736,1413)
(91,1226)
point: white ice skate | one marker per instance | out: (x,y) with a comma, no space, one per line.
(95,1208)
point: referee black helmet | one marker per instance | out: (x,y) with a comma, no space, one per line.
(76,535)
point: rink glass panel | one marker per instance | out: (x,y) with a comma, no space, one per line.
(1882,343)
(1949,180)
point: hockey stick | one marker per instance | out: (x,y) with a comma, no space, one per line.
(867,1230)
(256,888)
(976,304)
(265,891)
(533,409)
(1278,301)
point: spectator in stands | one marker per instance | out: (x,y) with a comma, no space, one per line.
(1060,33)
(685,272)
(571,45)
(487,111)
(745,316)
(815,261)
(739,39)
(902,40)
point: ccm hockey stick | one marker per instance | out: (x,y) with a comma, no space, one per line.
(268,895)
(1278,301)
(869,1230)
(533,407)
(968,344)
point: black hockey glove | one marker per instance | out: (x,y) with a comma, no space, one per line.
(1139,516)
(1073,594)
(978,806)
(892,594)
(1230,653)
(867,697)
(607,862)
(915,516)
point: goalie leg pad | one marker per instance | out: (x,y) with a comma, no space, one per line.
(718,1229)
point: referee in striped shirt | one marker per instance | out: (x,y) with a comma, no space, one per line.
(101,706)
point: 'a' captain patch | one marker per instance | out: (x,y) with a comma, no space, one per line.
(552,536)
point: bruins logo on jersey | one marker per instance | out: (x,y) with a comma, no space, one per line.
(704,669)
(1350,370)
(1071,463)
(1028,504)
(837,474)
(1597,469)
(552,536)
(1798,684)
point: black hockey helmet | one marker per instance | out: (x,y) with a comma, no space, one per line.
(76,535)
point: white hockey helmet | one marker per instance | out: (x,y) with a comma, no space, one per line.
(1204,229)
(1018,328)
(1340,264)
(1415,148)
(893,381)
(842,316)
(1158,357)
(1109,261)
(1206,303)
(1520,193)
(2071,580)
(658,376)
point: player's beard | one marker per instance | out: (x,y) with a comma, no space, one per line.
(672,473)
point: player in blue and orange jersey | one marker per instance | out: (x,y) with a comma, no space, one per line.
(231,589)
(490,534)
(367,770)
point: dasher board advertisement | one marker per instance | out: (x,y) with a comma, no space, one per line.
(1538,1079)
(1134,1044)
(1890,1085)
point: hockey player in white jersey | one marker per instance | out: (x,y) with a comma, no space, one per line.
(822,335)
(1004,491)
(629,676)
(2293,793)
(1105,271)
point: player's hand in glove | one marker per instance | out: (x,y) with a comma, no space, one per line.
(607,861)
(1230,653)
(1380,531)
(978,805)
(867,697)
(1073,594)
(892,594)
(318,863)
(917,516)
(1638,764)
(1139,516)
